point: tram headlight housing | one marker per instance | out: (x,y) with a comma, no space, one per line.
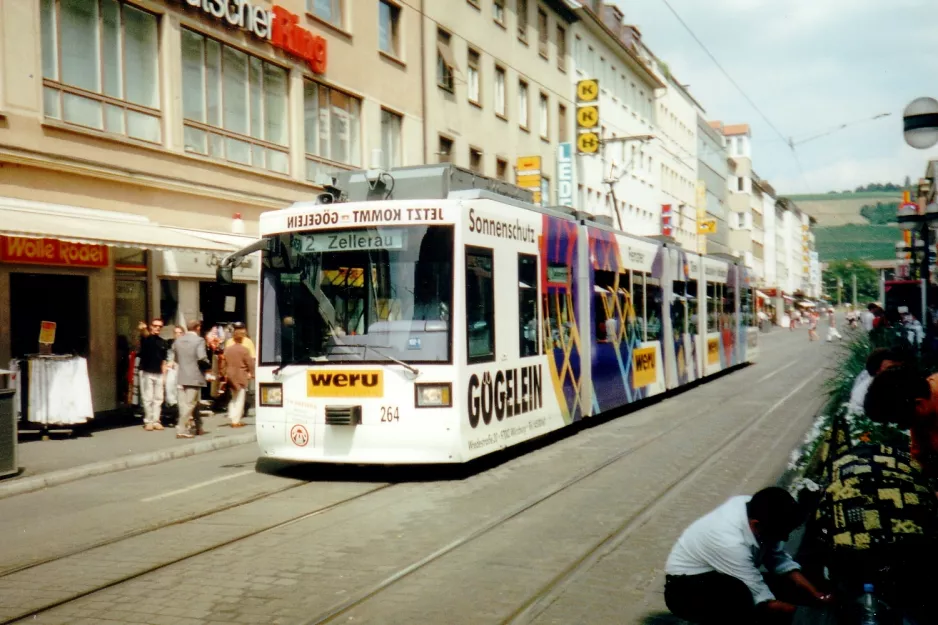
(438,395)
(271,395)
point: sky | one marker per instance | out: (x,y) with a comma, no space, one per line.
(809,66)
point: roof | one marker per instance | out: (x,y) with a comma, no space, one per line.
(718,125)
(24,218)
(736,129)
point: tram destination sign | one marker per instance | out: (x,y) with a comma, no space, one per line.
(352,241)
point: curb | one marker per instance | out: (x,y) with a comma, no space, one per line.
(54,478)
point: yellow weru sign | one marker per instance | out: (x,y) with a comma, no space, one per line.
(326,383)
(644,367)
(587,90)
(587,117)
(587,143)
(713,351)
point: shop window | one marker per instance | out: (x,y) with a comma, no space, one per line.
(480,305)
(63,300)
(234,105)
(169,302)
(523,104)
(445,64)
(475,160)
(100,67)
(389,18)
(473,77)
(527,305)
(521,8)
(391,138)
(332,123)
(329,11)
(545,191)
(542,35)
(445,153)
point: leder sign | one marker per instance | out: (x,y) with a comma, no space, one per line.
(52,252)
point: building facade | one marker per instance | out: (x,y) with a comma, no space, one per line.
(712,174)
(141,139)
(621,180)
(497,84)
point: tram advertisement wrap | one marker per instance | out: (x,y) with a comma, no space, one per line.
(507,393)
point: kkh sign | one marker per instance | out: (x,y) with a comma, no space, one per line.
(277,26)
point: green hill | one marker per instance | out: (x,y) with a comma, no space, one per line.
(856,242)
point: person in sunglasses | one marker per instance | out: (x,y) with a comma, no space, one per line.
(153,366)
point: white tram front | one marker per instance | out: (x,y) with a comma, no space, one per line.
(437,331)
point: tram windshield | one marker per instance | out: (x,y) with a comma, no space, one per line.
(361,294)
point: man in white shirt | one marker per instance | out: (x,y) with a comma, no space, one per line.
(879,360)
(866,318)
(713,572)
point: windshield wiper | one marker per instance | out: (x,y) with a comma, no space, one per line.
(375,349)
(298,361)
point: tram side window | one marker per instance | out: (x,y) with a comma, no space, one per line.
(654,304)
(638,302)
(604,306)
(714,306)
(679,311)
(527,304)
(480,305)
(729,307)
(693,301)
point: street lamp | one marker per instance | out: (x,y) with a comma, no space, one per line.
(920,123)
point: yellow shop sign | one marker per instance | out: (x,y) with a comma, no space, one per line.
(644,371)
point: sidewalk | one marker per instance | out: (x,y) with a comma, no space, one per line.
(65,458)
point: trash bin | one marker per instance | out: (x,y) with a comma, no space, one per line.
(8,464)
(765,325)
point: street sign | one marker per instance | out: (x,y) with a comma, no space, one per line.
(587,90)
(587,143)
(587,117)
(707,226)
(566,186)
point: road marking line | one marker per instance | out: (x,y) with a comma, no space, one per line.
(777,371)
(195,486)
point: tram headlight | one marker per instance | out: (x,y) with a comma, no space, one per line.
(271,395)
(434,395)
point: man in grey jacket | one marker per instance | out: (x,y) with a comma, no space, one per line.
(189,351)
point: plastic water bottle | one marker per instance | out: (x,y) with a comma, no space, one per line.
(868,606)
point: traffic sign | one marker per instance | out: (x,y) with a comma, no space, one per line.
(707,226)
(587,143)
(587,117)
(587,90)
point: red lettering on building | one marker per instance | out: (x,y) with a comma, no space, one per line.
(52,252)
(288,36)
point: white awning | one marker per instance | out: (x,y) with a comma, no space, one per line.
(23,218)
(235,241)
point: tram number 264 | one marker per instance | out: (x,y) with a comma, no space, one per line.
(390,414)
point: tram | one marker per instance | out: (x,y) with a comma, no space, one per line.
(409,331)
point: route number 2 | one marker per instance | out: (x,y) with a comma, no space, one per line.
(389,414)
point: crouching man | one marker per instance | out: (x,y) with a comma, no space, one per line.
(713,572)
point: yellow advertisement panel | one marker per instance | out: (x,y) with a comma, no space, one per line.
(352,384)
(713,351)
(644,371)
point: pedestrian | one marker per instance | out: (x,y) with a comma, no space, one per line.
(247,342)
(909,398)
(878,361)
(238,371)
(832,332)
(712,572)
(153,365)
(192,362)
(867,316)
(812,326)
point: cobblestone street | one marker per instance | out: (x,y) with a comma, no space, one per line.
(575,531)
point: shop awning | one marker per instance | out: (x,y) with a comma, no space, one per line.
(23,218)
(234,241)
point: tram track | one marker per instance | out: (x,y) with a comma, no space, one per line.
(539,601)
(188,556)
(614,538)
